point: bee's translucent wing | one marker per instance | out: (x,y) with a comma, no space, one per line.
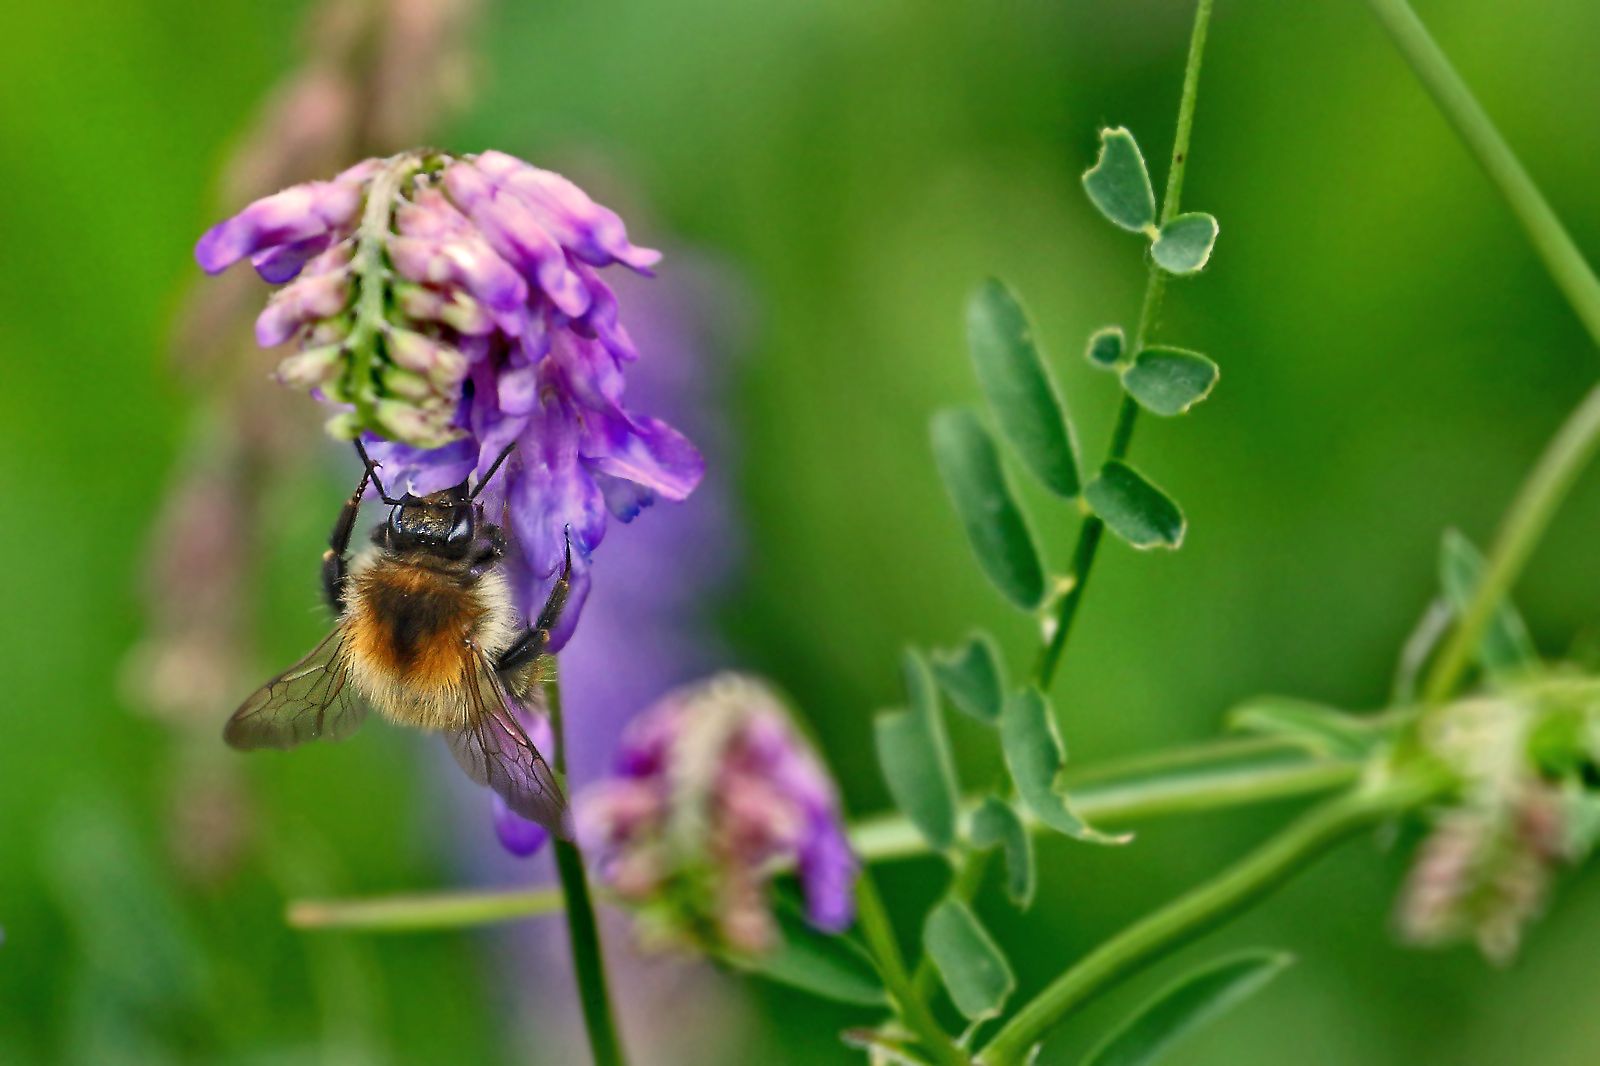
(494,750)
(311,699)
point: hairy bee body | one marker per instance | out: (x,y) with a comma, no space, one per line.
(429,638)
(411,627)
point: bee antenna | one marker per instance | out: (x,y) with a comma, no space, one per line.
(493,468)
(372,472)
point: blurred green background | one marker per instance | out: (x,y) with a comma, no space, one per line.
(1392,357)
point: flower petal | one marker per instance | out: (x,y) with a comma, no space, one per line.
(518,835)
(517,235)
(602,320)
(593,233)
(468,263)
(296,214)
(419,471)
(645,451)
(827,876)
(313,297)
(624,499)
(283,262)
(553,493)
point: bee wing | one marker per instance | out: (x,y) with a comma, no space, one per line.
(313,698)
(494,750)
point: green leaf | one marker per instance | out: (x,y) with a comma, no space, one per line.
(834,967)
(970,467)
(973,677)
(1186,1005)
(1506,647)
(996,822)
(1169,381)
(1184,244)
(1105,347)
(1319,728)
(1134,509)
(1118,183)
(914,753)
(1019,388)
(1035,757)
(974,971)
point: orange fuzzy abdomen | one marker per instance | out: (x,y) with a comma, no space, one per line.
(408,631)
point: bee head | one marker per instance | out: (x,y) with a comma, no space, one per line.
(443,523)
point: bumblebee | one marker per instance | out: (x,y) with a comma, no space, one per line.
(427,636)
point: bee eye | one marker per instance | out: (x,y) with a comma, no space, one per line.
(461,527)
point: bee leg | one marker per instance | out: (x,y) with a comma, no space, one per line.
(334,561)
(529,645)
(532,642)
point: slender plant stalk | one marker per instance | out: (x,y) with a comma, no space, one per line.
(878,933)
(1574,444)
(1194,779)
(1564,458)
(1200,910)
(424,911)
(582,932)
(369,266)
(1561,256)
(1155,287)
(971,867)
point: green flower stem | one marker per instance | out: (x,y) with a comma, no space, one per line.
(587,961)
(971,866)
(1189,780)
(878,933)
(588,964)
(1547,485)
(1089,536)
(424,911)
(1561,257)
(1574,444)
(370,267)
(1200,910)
(1153,787)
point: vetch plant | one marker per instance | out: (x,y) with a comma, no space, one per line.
(450,310)
(1491,750)
(450,306)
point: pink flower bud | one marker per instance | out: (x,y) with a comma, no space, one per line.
(311,368)
(315,296)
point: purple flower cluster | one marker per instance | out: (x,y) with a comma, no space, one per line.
(449,306)
(713,791)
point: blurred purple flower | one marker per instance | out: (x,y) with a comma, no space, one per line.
(713,790)
(450,306)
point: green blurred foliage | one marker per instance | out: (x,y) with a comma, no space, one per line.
(1392,356)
